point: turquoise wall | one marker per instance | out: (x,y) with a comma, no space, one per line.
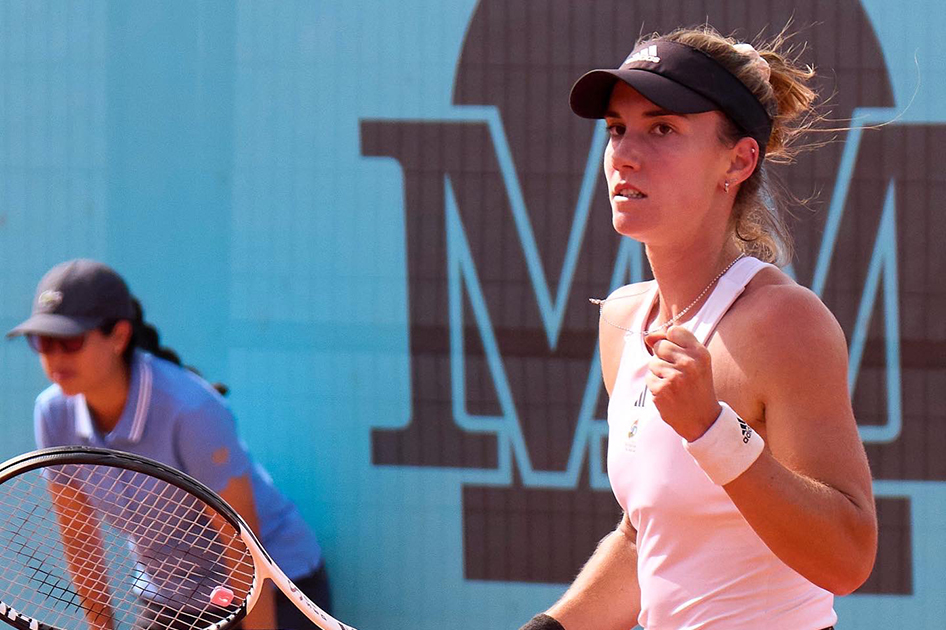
(211,151)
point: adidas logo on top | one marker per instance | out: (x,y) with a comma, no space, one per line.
(644,54)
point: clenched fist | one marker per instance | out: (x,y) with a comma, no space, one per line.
(680,379)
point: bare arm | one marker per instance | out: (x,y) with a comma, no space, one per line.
(606,594)
(809,495)
(783,362)
(82,542)
(239,494)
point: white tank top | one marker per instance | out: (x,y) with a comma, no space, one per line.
(700,565)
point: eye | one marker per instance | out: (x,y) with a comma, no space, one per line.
(616,130)
(662,129)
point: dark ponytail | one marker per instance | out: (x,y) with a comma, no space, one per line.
(146,337)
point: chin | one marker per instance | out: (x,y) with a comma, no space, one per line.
(626,226)
(68,388)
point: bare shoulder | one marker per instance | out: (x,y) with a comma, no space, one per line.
(617,317)
(624,302)
(778,310)
(782,331)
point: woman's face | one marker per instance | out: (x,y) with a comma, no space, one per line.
(665,171)
(90,367)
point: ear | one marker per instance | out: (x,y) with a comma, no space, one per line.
(743,159)
(121,335)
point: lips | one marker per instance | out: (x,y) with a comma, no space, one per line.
(626,191)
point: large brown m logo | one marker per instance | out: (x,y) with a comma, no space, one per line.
(508,234)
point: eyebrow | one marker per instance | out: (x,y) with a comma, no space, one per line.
(651,113)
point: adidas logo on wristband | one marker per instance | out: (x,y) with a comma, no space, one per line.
(718,451)
(746,430)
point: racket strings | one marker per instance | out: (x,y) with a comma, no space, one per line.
(146,508)
(84,545)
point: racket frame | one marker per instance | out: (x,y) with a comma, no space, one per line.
(264,567)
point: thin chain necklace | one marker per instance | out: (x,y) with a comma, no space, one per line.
(670,322)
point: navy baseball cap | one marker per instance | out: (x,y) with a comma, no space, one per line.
(680,79)
(75,297)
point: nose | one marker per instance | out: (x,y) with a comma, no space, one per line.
(624,153)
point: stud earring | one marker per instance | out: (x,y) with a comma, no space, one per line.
(726,186)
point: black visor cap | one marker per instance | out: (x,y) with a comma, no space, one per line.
(680,79)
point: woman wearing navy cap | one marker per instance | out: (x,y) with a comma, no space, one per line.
(115,387)
(732,448)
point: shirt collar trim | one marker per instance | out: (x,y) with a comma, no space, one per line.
(141,385)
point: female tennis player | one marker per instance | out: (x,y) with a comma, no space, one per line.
(733,447)
(111,389)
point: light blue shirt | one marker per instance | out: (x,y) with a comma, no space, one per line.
(175,417)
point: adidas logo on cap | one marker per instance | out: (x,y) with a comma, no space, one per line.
(644,54)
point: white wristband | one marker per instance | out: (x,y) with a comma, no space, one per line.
(727,448)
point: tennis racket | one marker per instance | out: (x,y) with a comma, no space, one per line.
(103,540)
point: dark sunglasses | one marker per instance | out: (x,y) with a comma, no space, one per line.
(44,344)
